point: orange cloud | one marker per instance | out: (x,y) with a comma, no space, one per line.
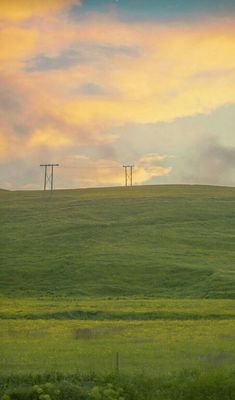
(3,145)
(17,43)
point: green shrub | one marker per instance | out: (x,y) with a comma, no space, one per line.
(72,390)
(189,385)
(46,391)
(107,392)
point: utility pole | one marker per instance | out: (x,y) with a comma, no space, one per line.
(131,169)
(49,176)
(125,169)
(128,174)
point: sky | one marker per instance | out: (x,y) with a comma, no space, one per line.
(95,84)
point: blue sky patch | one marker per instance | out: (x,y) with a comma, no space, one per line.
(154,9)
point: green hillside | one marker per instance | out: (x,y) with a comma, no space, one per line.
(161,241)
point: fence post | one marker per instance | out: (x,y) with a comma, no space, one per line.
(117,361)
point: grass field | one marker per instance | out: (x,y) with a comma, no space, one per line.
(158,337)
(147,272)
(117,309)
(160,241)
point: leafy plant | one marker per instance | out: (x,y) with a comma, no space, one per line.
(46,391)
(107,392)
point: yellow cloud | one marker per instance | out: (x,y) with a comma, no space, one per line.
(151,158)
(105,172)
(23,9)
(177,72)
(142,175)
(17,43)
(48,137)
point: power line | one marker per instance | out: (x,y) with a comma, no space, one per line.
(83,167)
(49,175)
(89,167)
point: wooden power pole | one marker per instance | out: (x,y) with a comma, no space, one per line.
(128,174)
(49,175)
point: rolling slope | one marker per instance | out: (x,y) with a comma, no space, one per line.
(172,241)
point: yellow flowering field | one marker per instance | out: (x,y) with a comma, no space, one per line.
(174,341)
(62,308)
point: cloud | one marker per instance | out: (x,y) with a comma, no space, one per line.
(213,163)
(66,59)
(79,54)
(69,85)
(149,166)
(48,137)
(3,144)
(84,171)
(154,86)
(24,9)
(17,43)
(143,175)
(92,89)
(9,101)
(151,158)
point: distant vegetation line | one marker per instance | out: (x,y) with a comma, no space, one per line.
(118,316)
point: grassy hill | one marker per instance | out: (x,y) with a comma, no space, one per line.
(161,241)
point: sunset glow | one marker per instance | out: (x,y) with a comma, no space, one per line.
(117,82)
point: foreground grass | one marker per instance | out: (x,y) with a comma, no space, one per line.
(157,336)
(188,385)
(154,348)
(160,241)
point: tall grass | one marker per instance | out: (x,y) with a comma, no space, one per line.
(188,385)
